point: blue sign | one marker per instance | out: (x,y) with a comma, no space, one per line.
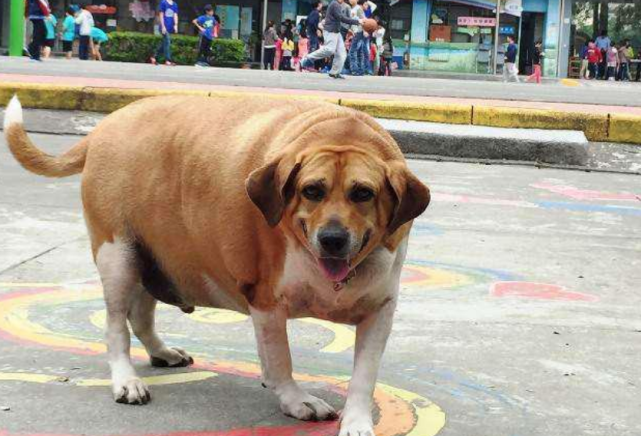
(507,30)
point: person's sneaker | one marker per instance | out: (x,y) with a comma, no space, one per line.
(170,64)
(201,64)
(337,76)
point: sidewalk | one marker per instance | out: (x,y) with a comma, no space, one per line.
(106,86)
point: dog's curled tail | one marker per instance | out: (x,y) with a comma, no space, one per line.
(34,159)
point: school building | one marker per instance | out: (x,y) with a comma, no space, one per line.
(458,36)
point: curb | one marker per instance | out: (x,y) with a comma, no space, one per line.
(596,127)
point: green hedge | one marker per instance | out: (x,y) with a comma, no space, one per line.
(138,47)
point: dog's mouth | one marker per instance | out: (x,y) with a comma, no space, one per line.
(335,269)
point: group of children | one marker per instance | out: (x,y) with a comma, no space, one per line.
(287,46)
(606,60)
(208,25)
(77,24)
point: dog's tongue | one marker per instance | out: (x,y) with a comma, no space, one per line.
(334,269)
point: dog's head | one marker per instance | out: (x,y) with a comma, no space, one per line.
(339,202)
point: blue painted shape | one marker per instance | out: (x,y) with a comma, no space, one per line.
(582,207)
(535,6)
(420,16)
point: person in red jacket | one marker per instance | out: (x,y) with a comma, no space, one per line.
(594,59)
(36,11)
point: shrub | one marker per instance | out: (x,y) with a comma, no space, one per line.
(138,47)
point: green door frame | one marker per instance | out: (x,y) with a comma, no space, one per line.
(16,27)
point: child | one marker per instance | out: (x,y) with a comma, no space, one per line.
(279,53)
(612,59)
(68,33)
(536,62)
(205,24)
(85,21)
(50,39)
(168,25)
(288,48)
(594,58)
(386,57)
(98,37)
(303,46)
(584,73)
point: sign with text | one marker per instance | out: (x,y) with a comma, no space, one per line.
(476,21)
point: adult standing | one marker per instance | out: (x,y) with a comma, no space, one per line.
(603,43)
(346,9)
(84,20)
(509,68)
(356,51)
(313,19)
(37,11)
(334,44)
(269,39)
(168,24)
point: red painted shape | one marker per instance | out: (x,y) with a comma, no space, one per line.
(538,291)
(585,194)
(329,428)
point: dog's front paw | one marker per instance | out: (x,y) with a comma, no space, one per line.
(131,391)
(354,424)
(171,358)
(301,405)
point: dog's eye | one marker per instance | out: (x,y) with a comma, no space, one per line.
(313,193)
(361,195)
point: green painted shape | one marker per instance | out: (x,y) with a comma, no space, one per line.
(16,28)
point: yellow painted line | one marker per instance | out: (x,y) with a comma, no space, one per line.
(167,379)
(570,82)
(430,419)
(26,377)
(157,380)
(217,316)
(344,337)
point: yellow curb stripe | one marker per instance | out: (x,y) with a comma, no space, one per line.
(597,127)
(344,337)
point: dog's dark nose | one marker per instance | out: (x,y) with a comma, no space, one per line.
(334,241)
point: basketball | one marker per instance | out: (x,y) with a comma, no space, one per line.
(370,25)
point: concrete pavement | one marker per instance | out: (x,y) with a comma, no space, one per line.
(575,92)
(435,141)
(518,316)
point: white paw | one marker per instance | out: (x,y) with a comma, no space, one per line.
(357,425)
(171,358)
(306,407)
(131,391)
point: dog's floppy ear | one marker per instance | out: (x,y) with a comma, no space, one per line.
(271,187)
(411,196)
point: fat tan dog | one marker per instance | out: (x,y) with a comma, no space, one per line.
(275,209)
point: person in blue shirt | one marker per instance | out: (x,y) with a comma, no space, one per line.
(68,32)
(168,25)
(510,70)
(37,11)
(50,39)
(205,24)
(98,37)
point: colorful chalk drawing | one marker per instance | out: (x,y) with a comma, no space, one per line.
(585,194)
(562,205)
(29,316)
(538,291)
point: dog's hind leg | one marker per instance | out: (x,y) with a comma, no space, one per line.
(120,280)
(141,318)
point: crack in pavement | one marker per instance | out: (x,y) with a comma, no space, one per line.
(49,250)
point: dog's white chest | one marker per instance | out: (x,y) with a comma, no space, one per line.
(304,291)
